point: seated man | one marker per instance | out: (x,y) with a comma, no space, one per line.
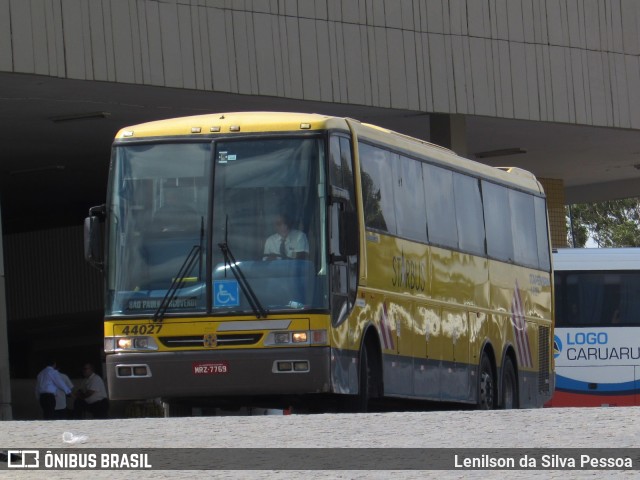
(286,243)
(92,395)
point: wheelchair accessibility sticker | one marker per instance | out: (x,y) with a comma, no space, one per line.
(226,293)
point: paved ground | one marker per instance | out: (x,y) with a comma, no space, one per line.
(542,428)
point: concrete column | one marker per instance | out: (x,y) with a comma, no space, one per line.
(5,378)
(449,131)
(554,189)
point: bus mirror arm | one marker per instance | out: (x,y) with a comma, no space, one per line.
(94,237)
(333,258)
(98,211)
(339,195)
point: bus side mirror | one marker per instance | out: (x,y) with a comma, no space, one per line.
(94,237)
(348,232)
(346,224)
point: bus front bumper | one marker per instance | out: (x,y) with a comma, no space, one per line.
(212,373)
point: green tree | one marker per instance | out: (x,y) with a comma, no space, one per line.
(615,223)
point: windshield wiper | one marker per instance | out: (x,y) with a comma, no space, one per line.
(230,260)
(195,254)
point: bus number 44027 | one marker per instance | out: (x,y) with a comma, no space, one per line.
(210,368)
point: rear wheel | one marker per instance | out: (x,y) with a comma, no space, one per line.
(509,385)
(486,385)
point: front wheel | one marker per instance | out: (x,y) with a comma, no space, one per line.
(509,385)
(486,385)
(368,386)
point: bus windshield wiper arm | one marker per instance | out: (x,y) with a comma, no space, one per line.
(195,254)
(177,282)
(230,260)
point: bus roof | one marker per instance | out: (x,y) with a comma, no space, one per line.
(569,259)
(256,122)
(232,122)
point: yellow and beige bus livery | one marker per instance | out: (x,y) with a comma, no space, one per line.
(301,259)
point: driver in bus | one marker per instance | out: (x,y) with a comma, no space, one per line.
(286,243)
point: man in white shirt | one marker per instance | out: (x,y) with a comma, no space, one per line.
(286,243)
(92,395)
(48,382)
(62,408)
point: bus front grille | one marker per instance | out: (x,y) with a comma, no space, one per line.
(227,340)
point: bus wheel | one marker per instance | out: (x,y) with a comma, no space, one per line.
(509,385)
(367,385)
(366,380)
(486,385)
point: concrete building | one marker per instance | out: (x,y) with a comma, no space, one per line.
(550,86)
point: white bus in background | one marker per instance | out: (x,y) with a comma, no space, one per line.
(597,334)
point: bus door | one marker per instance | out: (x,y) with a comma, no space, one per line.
(343,229)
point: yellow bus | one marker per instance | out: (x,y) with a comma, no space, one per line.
(302,259)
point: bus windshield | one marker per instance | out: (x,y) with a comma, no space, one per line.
(597,298)
(225,225)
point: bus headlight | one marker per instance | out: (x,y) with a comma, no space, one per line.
(124,343)
(309,337)
(281,337)
(299,337)
(118,344)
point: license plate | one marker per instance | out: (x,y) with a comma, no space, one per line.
(208,368)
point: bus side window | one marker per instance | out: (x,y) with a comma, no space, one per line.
(377,188)
(411,214)
(441,213)
(497,217)
(469,216)
(629,298)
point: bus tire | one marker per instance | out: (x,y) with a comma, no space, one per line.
(367,383)
(509,385)
(366,380)
(486,385)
